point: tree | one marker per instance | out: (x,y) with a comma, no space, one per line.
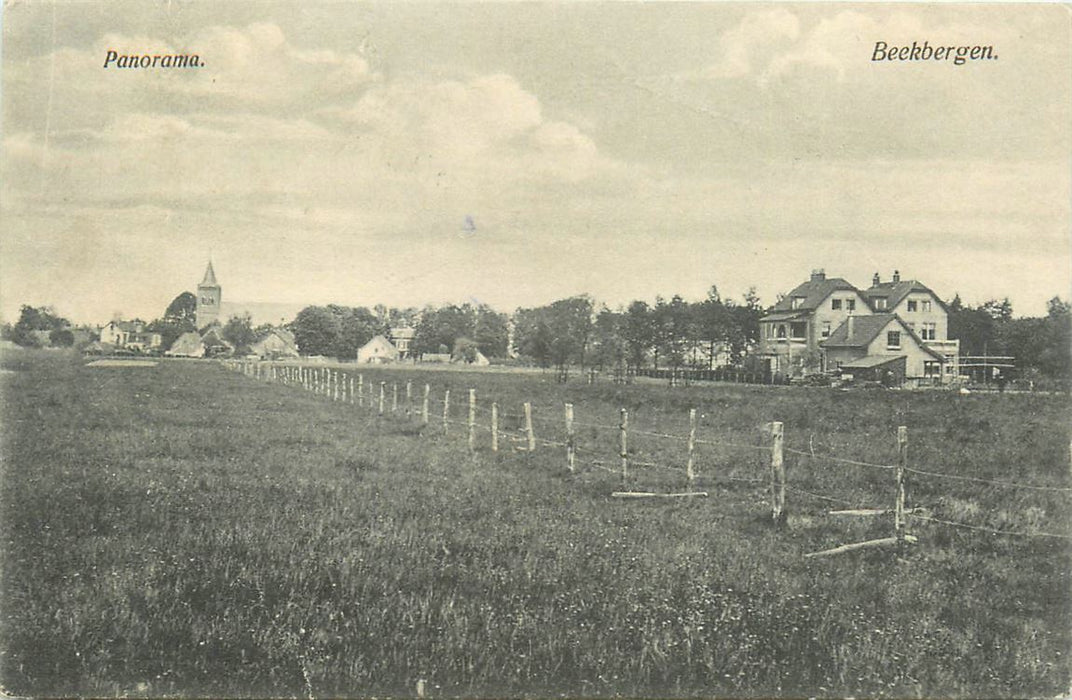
(33,319)
(61,338)
(638,332)
(357,326)
(316,330)
(491,331)
(465,349)
(238,331)
(608,346)
(441,327)
(182,309)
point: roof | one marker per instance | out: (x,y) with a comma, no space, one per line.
(866,328)
(379,340)
(210,277)
(786,315)
(814,292)
(403,333)
(895,292)
(872,361)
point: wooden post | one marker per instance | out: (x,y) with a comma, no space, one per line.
(409,398)
(777,473)
(569,437)
(446,412)
(424,405)
(494,427)
(383,391)
(623,434)
(902,462)
(472,419)
(689,473)
(334,385)
(394,397)
(351,389)
(528,427)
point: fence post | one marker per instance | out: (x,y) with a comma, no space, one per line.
(623,444)
(383,392)
(689,473)
(472,419)
(777,473)
(351,389)
(528,427)
(409,398)
(446,412)
(394,397)
(569,437)
(494,427)
(424,405)
(902,461)
(334,385)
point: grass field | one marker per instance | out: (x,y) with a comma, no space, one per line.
(186,530)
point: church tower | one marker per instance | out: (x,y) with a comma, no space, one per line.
(209,296)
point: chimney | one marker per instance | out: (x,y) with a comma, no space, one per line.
(848,333)
(818,275)
(896,276)
(876,280)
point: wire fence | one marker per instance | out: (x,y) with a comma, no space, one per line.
(689,457)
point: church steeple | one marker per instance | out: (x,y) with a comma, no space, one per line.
(209,297)
(210,277)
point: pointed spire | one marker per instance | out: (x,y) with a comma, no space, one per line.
(210,277)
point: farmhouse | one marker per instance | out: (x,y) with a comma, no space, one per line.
(187,345)
(275,344)
(402,337)
(379,349)
(131,335)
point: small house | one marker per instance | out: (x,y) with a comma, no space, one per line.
(379,349)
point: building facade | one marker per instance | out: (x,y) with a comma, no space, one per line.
(209,298)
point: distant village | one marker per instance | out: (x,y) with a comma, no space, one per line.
(896,332)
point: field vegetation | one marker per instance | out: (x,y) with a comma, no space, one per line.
(186,530)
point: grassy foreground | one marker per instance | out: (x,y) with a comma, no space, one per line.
(184,530)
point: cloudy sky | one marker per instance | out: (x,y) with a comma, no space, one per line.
(335,151)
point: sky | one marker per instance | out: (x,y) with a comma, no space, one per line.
(517,153)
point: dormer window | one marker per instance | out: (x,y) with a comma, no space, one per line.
(835,304)
(850,304)
(880,303)
(797,302)
(912,305)
(925,305)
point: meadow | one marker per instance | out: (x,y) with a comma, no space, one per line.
(188,530)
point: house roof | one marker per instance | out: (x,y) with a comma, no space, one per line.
(814,292)
(895,292)
(403,333)
(785,315)
(866,328)
(379,340)
(210,277)
(872,361)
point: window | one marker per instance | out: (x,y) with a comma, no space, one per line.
(835,304)
(798,330)
(893,340)
(781,330)
(797,302)
(932,368)
(850,304)
(880,303)
(930,330)
(826,329)
(925,306)
(912,305)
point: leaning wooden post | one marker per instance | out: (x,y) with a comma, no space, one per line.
(472,419)
(569,437)
(394,398)
(623,443)
(777,473)
(446,412)
(383,392)
(689,473)
(902,461)
(528,427)
(424,405)
(494,427)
